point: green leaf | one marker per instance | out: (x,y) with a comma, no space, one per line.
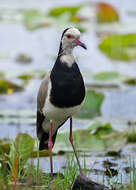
(95,139)
(34,19)
(25,77)
(7,87)
(106,75)
(24,144)
(131,81)
(99,129)
(119,47)
(20,152)
(92,104)
(83,140)
(66,9)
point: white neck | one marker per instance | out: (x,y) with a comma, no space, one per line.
(67,56)
(67,51)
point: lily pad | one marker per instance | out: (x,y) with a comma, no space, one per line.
(66,9)
(7,87)
(34,19)
(106,13)
(23,58)
(102,139)
(119,47)
(107,75)
(89,142)
(25,77)
(70,12)
(131,81)
(101,130)
(92,104)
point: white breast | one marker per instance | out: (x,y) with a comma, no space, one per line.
(57,115)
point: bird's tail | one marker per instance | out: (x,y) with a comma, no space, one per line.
(44,140)
(41,134)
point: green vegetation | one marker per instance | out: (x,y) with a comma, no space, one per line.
(39,73)
(131,81)
(1,74)
(7,87)
(62,10)
(131,134)
(20,152)
(17,172)
(106,76)
(119,47)
(34,19)
(25,77)
(97,138)
(92,104)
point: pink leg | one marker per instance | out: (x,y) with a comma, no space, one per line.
(50,145)
(71,140)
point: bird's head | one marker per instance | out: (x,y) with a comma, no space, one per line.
(70,39)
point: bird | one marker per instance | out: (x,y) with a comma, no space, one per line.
(61,95)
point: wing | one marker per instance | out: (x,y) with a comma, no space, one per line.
(41,98)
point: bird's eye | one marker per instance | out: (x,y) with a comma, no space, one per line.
(69,36)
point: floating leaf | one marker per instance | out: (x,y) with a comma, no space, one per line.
(8,87)
(89,141)
(61,10)
(99,129)
(23,58)
(26,77)
(97,141)
(34,19)
(106,75)
(106,13)
(119,47)
(92,104)
(131,81)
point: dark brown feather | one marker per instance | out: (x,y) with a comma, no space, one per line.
(41,98)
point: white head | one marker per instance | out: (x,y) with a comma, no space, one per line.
(70,39)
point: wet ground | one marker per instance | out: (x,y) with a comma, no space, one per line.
(17,110)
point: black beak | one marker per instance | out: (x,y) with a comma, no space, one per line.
(83,46)
(79,43)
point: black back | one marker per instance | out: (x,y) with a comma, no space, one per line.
(68,88)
